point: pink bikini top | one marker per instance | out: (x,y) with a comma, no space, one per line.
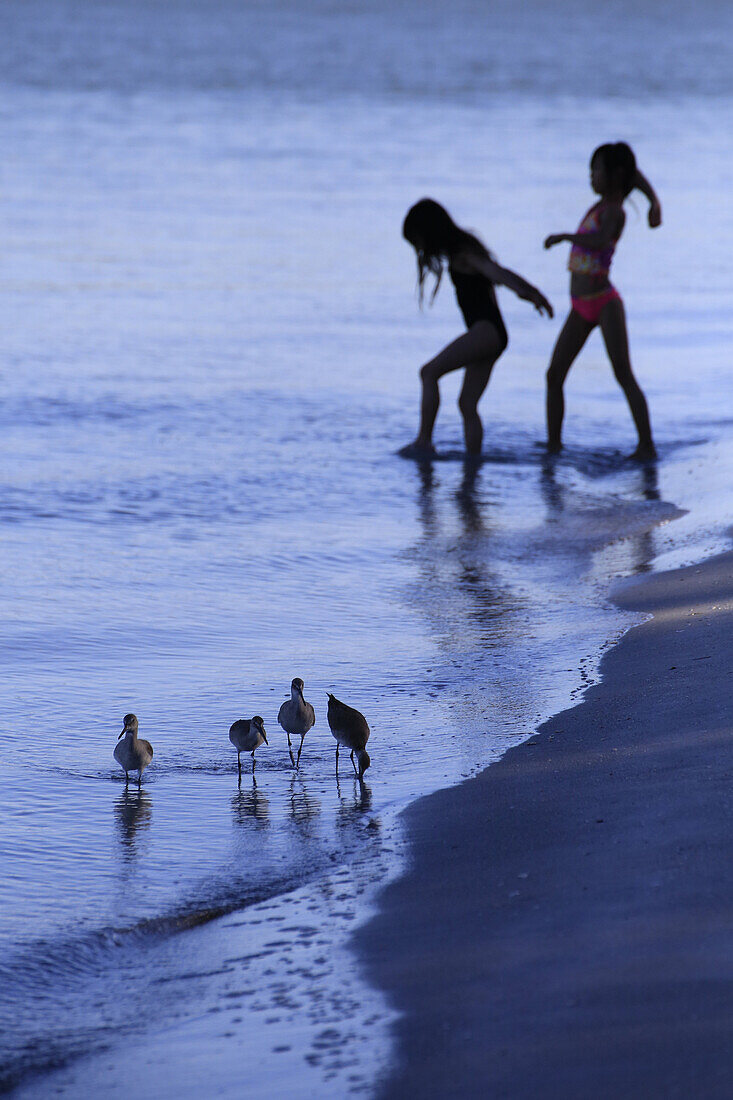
(589,261)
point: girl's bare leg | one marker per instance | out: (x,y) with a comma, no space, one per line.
(480,346)
(573,335)
(474,384)
(613,327)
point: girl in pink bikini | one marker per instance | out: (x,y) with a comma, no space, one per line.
(613,176)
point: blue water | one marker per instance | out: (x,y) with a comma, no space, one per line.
(211,343)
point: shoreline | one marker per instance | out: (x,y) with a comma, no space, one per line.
(595,958)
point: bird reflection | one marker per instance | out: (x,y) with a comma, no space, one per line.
(356,801)
(303,806)
(133,814)
(250,803)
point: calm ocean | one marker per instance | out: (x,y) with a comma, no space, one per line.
(210,342)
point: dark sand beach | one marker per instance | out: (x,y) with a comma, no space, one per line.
(565,928)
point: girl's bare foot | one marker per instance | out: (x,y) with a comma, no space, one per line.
(645,452)
(417,449)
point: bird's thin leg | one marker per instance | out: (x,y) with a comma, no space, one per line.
(239,767)
(356,772)
(290,750)
(297,764)
(337,759)
(139,777)
(127,779)
(253,763)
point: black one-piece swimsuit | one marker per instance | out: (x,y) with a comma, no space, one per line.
(477,302)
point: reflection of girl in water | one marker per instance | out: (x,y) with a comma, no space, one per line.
(613,176)
(439,242)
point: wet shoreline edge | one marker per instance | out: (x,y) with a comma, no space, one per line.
(563,922)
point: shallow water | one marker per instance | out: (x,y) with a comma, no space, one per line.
(211,344)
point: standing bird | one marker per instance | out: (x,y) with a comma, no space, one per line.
(132,754)
(296,717)
(247,734)
(350,729)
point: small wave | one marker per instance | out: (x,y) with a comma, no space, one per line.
(69,996)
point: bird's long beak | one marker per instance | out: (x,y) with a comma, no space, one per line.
(123,733)
(265,737)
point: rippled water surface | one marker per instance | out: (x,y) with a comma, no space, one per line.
(211,343)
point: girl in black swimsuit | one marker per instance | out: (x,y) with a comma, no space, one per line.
(438,242)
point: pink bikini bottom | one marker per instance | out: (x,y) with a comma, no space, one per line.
(590,309)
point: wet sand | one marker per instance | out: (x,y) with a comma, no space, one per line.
(565,928)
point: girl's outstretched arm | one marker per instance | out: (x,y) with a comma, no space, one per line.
(502,276)
(610,229)
(641,183)
(524,290)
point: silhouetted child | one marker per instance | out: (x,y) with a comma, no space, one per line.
(613,175)
(439,242)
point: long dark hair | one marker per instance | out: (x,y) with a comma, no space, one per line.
(431,231)
(620,164)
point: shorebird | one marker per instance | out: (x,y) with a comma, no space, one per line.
(247,734)
(132,754)
(350,729)
(296,717)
